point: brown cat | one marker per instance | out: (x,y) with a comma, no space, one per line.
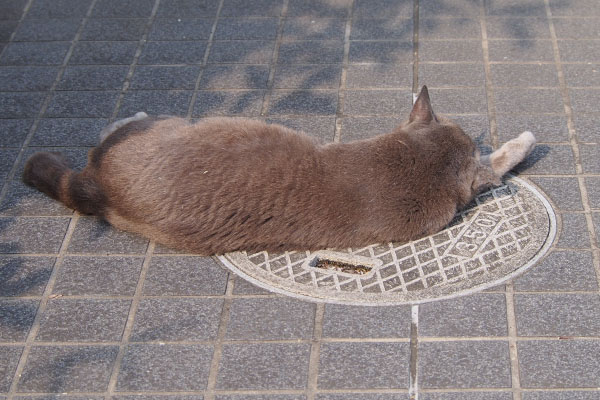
(228,184)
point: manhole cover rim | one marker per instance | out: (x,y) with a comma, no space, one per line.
(387,299)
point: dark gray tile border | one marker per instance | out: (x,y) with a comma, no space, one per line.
(24,276)
(342,321)
(92,235)
(16,318)
(9,358)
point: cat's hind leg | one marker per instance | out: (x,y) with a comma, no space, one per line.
(510,154)
(118,124)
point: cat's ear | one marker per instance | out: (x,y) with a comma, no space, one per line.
(422,111)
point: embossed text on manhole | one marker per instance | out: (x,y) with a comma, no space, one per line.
(502,233)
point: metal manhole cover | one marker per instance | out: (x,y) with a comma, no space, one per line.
(503,232)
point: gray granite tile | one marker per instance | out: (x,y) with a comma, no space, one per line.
(446,8)
(399,395)
(114,29)
(593,187)
(520,50)
(105,53)
(587,128)
(318,8)
(584,100)
(548,159)
(7,28)
(342,321)
(188,8)
(261,397)
(557,314)
(574,7)
(177,319)
(34,53)
(443,75)
(12,9)
(546,128)
(16,318)
(378,102)
(246,28)
(449,28)
(239,102)
(270,319)
(307,77)
(92,235)
(450,50)
(24,276)
(559,363)
(118,8)
(202,276)
(515,7)
(20,104)
(481,314)
(241,286)
(311,52)
(7,160)
(165,77)
(459,101)
(356,128)
(264,366)
(14,131)
(84,77)
(564,192)
(67,369)
(524,75)
(241,51)
(158,397)
(32,235)
(472,364)
(466,396)
(314,29)
(66,320)
(181,29)
(58,8)
(68,131)
(156,102)
(380,52)
(382,8)
(256,8)
(574,232)
(173,52)
(590,161)
(558,395)
(477,127)
(321,102)
(560,271)
(518,28)
(363,366)
(104,276)
(23,200)
(579,50)
(320,128)
(379,75)
(37,30)
(234,77)
(582,74)
(165,368)
(596,219)
(386,29)
(9,358)
(27,78)
(576,28)
(520,100)
(80,104)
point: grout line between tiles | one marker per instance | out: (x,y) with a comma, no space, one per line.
(489,91)
(413,389)
(415,66)
(512,341)
(337,135)
(315,352)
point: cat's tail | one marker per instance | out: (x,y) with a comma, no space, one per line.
(50,174)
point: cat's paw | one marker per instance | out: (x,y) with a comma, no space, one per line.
(527,141)
(140,115)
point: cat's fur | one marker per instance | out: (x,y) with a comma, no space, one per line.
(228,184)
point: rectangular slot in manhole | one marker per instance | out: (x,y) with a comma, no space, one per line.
(341,263)
(339,266)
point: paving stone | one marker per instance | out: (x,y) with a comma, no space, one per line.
(188,8)
(476,126)
(515,100)
(458,101)
(27,78)
(264,366)
(114,29)
(242,286)
(593,187)
(311,52)
(7,159)
(307,77)
(247,28)
(564,192)
(466,396)
(7,27)
(79,104)
(261,397)
(341,321)
(92,235)
(557,314)
(16,318)
(524,75)
(596,218)
(314,29)
(93,276)
(450,50)
(158,397)
(379,76)
(84,77)
(270,319)
(31,235)
(574,231)
(181,29)
(589,154)
(559,363)
(382,8)
(579,50)
(67,369)
(548,159)
(105,53)
(9,358)
(446,8)
(374,102)
(66,320)
(582,74)
(20,104)
(357,128)
(576,28)
(202,276)
(546,128)
(173,52)
(37,30)
(443,75)
(12,9)
(318,8)
(156,102)
(557,395)
(560,271)
(575,7)
(321,102)
(58,8)
(472,364)
(386,29)
(156,367)
(23,200)
(118,8)
(241,51)
(515,7)
(587,128)
(520,50)
(235,77)
(166,77)
(320,128)
(256,8)
(177,319)
(58,396)
(213,103)
(68,131)
(449,28)
(518,28)
(476,315)
(24,276)
(343,365)
(361,396)
(380,52)
(580,99)
(34,53)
